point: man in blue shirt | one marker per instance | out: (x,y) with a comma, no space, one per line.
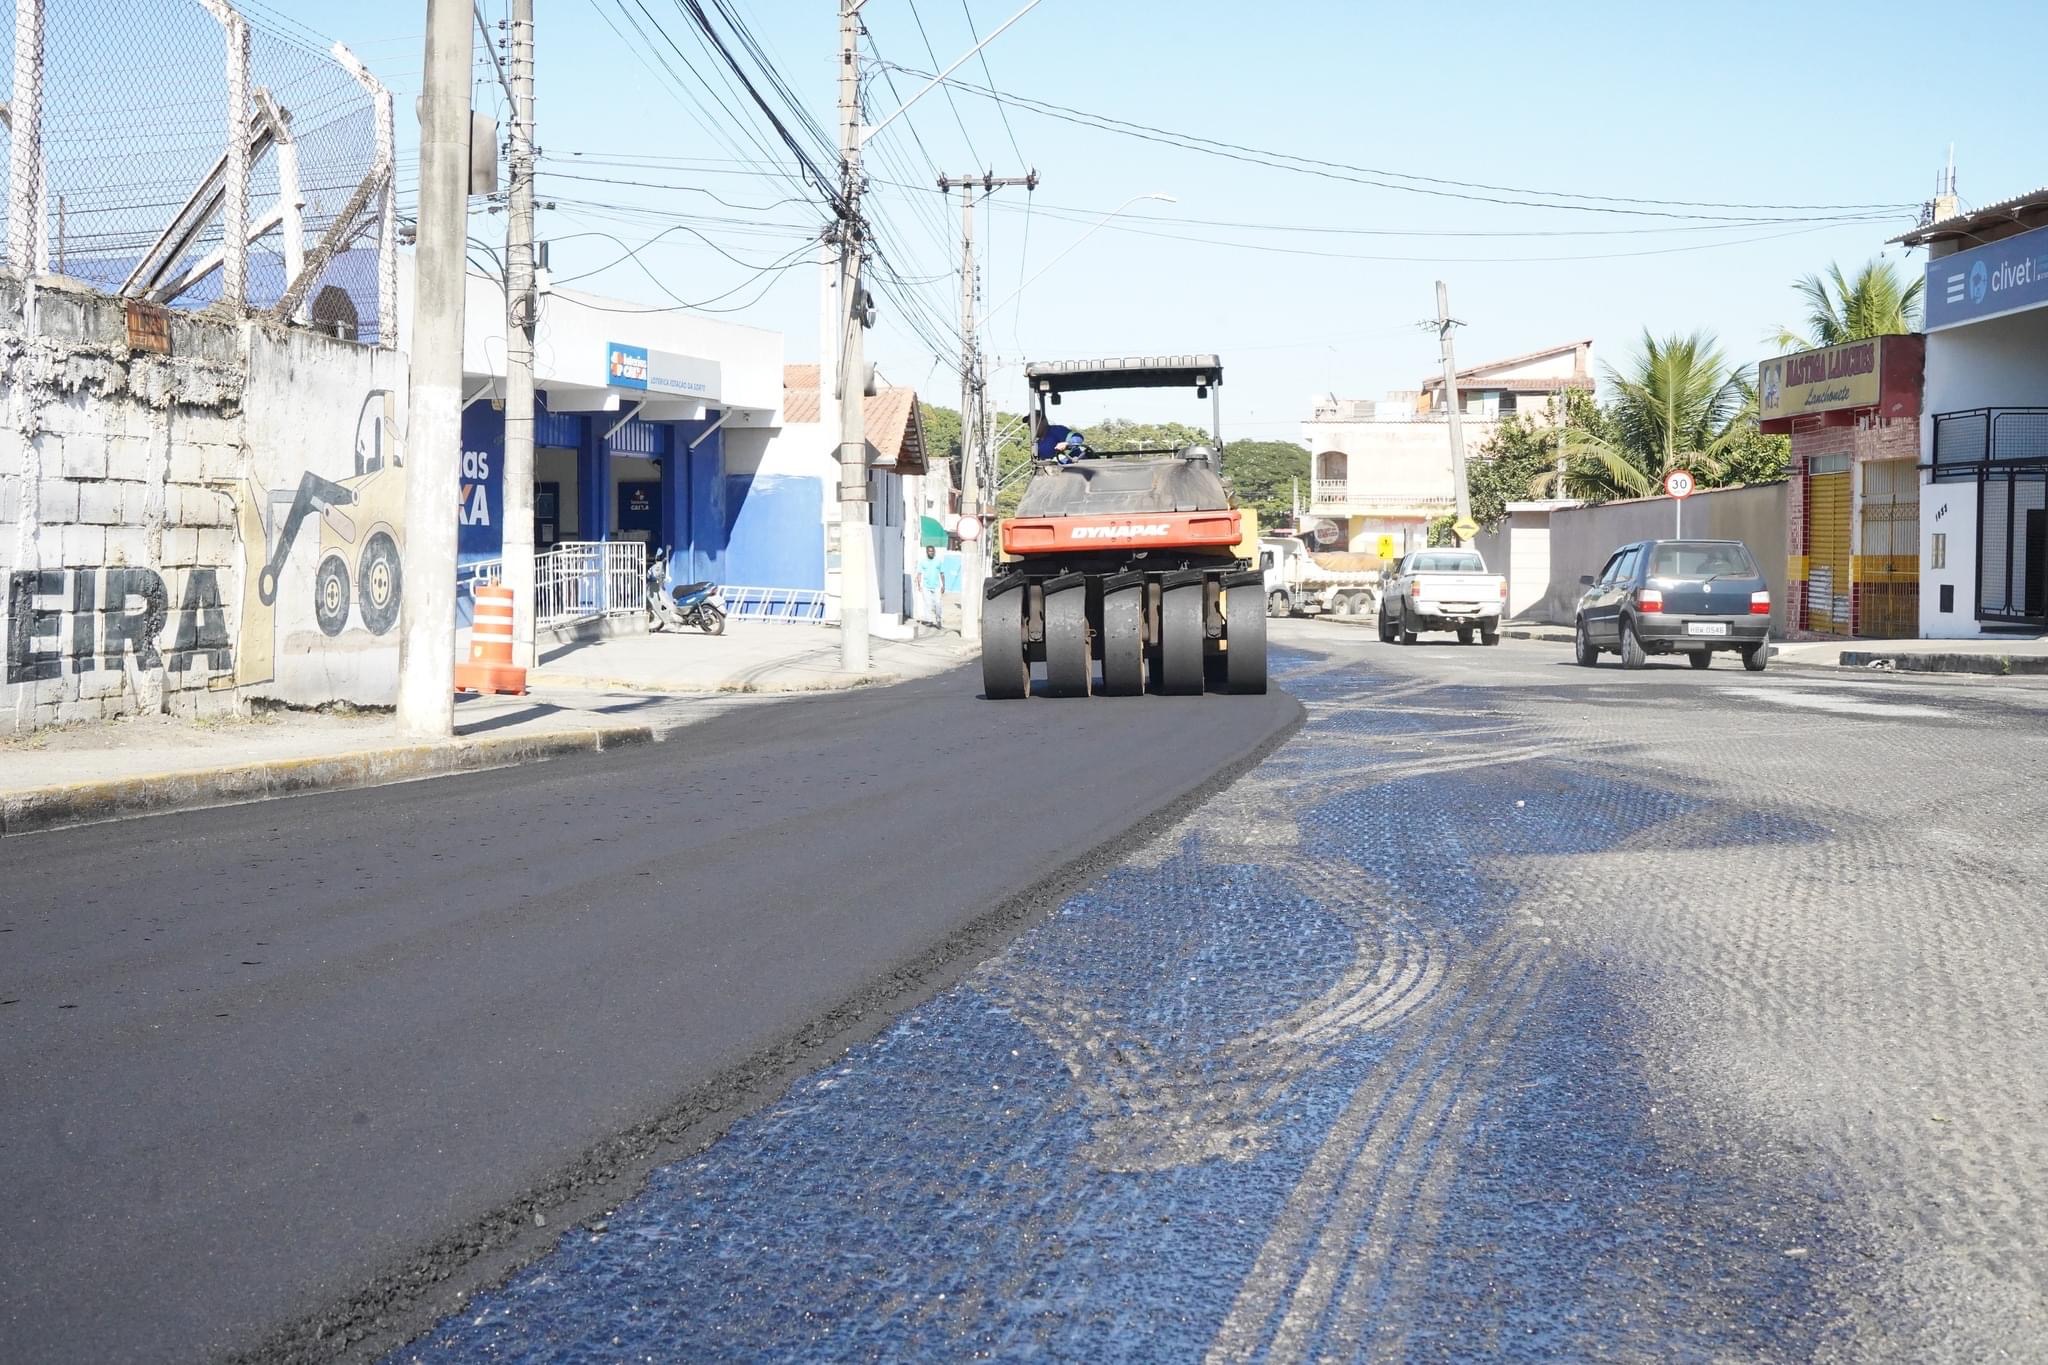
(1062,444)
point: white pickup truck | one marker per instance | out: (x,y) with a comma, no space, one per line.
(1442,589)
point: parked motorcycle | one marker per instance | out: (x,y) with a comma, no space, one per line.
(688,604)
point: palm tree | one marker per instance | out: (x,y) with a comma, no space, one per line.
(1876,303)
(1680,406)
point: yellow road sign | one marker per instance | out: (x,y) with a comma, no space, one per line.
(1465,527)
(1386,547)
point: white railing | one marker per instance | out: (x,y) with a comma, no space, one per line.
(575,581)
(581,579)
(1339,492)
(785,605)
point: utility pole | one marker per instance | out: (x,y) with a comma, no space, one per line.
(433,434)
(521,307)
(977,464)
(856,576)
(1444,323)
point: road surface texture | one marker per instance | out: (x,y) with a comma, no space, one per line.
(280,1080)
(1509,1010)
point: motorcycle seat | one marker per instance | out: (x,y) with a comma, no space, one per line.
(690,589)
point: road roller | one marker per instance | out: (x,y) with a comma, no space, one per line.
(1121,573)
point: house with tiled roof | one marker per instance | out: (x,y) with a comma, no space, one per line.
(1381,468)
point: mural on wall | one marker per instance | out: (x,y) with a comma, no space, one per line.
(106,618)
(356,577)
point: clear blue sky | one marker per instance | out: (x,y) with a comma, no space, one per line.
(1826,104)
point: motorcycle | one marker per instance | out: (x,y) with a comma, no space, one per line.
(688,604)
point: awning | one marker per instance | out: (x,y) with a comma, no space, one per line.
(930,532)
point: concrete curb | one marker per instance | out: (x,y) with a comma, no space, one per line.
(85,803)
(1997,665)
(589,684)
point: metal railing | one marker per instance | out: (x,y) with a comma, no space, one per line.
(575,581)
(581,579)
(1334,492)
(1967,443)
(787,606)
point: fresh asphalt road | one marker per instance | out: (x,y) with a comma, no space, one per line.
(270,1073)
(1509,1010)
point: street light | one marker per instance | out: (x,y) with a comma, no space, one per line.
(1099,223)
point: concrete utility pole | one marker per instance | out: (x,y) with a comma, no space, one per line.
(433,433)
(977,461)
(522,306)
(856,575)
(1444,323)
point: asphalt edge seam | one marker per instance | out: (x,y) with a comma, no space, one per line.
(399,1305)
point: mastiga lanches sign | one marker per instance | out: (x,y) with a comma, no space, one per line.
(1819,381)
(1988,281)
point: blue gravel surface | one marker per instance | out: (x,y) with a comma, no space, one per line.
(1306,1079)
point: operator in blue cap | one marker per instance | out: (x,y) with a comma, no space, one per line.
(1062,445)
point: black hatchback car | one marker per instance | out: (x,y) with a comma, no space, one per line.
(1691,597)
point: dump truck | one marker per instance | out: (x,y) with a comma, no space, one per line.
(1299,582)
(1122,571)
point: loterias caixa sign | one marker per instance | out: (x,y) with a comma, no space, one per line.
(2006,276)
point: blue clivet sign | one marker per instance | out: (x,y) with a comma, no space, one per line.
(1988,281)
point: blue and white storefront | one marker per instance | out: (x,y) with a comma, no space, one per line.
(649,425)
(1984,436)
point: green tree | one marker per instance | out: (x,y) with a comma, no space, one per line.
(941,431)
(1878,302)
(1680,405)
(1520,459)
(1262,474)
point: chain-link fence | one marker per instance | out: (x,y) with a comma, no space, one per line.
(139,130)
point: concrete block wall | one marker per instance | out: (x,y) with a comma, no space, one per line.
(1582,538)
(104,582)
(135,513)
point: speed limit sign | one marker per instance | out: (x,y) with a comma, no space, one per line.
(1678,484)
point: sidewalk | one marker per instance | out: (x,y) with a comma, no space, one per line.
(751,656)
(589,698)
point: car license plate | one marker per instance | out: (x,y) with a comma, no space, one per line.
(1706,628)
(1461,608)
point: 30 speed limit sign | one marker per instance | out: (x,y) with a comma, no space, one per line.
(1678,484)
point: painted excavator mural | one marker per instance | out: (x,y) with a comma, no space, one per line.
(353,563)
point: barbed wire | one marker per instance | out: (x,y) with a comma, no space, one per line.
(136,101)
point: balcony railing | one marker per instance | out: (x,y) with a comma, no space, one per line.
(1340,493)
(1968,443)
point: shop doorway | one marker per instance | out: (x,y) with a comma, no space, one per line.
(1888,551)
(2012,548)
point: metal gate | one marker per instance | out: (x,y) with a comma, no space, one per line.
(1888,568)
(1827,545)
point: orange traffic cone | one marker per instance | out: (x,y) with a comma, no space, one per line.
(490,666)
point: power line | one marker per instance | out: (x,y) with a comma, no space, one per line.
(1008,131)
(769,275)
(695,10)
(967,137)
(1383,179)
(689,189)
(1799,230)
(1076,213)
